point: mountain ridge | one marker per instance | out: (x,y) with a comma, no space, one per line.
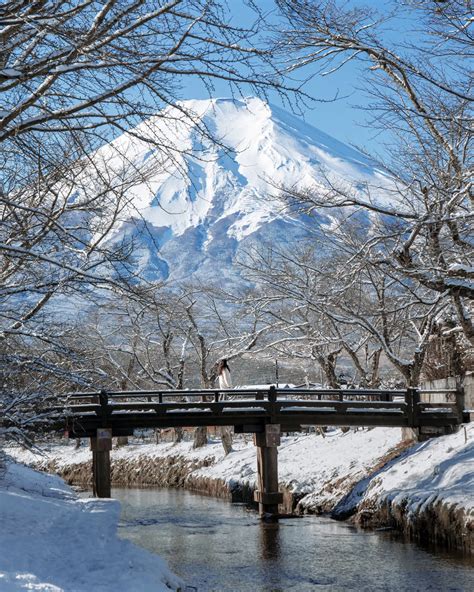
(196,211)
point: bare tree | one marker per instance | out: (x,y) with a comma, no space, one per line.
(420,93)
(73,76)
(337,303)
(218,327)
(94,65)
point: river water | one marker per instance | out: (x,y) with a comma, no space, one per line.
(216,546)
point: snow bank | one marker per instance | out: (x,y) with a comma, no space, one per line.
(66,454)
(315,471)
(428,492)
(318,471)
(52,541)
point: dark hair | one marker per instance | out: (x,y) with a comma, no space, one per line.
(221,365)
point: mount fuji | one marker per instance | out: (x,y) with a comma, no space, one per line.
(200,205)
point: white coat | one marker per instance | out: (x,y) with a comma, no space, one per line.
(225,381)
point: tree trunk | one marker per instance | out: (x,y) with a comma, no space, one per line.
(200,437)
(178,435)
(226,439)
(375,380)
(121,441)
(328,365)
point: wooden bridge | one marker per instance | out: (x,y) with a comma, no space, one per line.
(265,412)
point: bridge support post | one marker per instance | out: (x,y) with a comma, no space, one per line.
(101,446)
(267,494)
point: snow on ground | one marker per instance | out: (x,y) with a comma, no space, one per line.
(438,470)
(308,464)
(320,468)
(323,470)
(51,540)
(67,454)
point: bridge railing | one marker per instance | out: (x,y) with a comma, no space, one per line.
(252,394)
(246,408)
(216,399)
(271,400)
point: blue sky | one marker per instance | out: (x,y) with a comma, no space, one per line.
(341,119)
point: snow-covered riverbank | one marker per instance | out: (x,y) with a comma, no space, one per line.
(425,490)
(51,540)
(316,472)
(428,493)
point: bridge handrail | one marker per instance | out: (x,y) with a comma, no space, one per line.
(235,392)
(246,408)
(253,403)
(273,400)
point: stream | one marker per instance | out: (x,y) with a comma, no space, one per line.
(216,546)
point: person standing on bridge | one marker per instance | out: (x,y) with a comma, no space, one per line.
(223,375)
(225,382)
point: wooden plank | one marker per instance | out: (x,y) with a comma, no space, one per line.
(83,408)
(422,405)
(101,473)
(183,419)
(101,445)
(337,392)
(344,405)
(270,437)
(250,428)
(438,391)
(102,442)
(195,393)
(185,405)
(437,420)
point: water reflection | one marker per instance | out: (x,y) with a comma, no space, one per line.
(220,547)
(270,545)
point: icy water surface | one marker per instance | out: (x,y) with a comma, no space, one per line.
(216,546)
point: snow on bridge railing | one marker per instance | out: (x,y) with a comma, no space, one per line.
(408,400)
(270,392)
(267,405)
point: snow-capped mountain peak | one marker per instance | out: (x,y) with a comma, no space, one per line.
(209,194)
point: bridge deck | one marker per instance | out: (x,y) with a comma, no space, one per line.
(249,410)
